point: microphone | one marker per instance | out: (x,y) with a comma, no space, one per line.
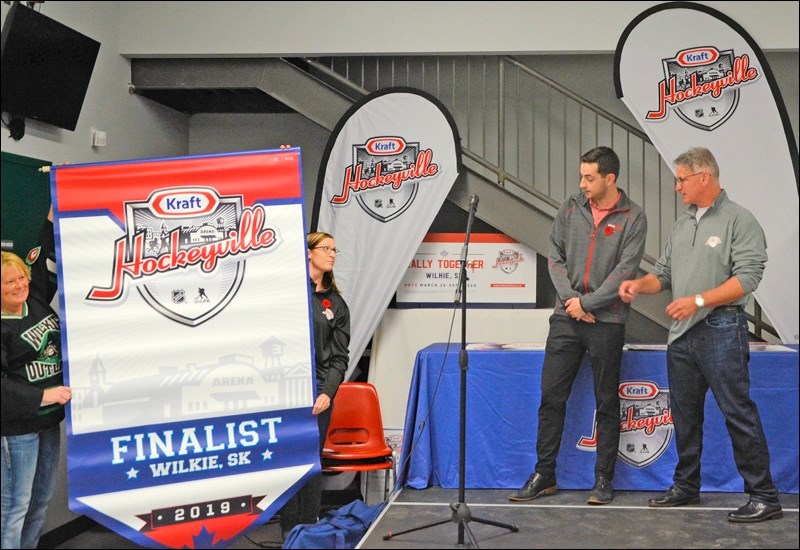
(473,206)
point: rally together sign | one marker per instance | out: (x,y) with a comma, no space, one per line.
(500,271)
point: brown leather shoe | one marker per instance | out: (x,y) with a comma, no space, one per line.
(673,497)
(536,486)
(602,492)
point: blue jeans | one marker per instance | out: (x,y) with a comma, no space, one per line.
(715,354)
(29,465)
(567,342)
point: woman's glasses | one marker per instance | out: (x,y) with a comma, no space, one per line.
(328,249)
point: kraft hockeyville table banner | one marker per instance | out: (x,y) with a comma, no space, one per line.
(503,395)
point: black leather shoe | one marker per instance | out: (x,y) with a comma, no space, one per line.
(602,492)
(673,497)
(536,486)
(753,512)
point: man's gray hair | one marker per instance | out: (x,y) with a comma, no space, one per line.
(699,158)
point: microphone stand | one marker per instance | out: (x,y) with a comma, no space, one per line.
(460,510)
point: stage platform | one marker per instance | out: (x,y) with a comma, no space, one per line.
(563,520)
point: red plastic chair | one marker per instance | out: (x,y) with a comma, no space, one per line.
(355,441)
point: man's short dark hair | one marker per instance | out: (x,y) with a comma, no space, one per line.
(606,159)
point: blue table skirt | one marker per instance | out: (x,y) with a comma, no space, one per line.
(503,393)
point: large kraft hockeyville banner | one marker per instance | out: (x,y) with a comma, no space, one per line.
(183,287)
(693,77)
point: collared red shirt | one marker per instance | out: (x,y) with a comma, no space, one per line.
(599,213)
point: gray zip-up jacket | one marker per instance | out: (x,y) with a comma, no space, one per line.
(727,241)
(591,262)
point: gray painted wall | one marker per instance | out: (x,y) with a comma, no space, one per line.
(210,133)
(436,27)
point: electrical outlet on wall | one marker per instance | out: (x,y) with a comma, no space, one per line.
(98,138)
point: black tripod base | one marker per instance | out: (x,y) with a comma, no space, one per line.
(462,516)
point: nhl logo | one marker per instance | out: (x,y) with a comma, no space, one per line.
(179,296)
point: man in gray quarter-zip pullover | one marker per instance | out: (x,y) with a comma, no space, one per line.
(713,261)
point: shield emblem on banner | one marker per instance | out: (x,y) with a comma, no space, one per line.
(382,157)
(645,423)
(694,68)
(508,260)
(190,295)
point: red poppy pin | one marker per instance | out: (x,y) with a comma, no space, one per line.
(609,230)
(327,312)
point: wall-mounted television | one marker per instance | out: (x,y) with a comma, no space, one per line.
(46,68)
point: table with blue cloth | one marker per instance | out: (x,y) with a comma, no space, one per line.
(502,401)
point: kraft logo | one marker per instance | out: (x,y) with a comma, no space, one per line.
(637,390)
(697,56)
(385,145)
(183,202)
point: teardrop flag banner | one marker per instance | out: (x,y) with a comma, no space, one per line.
(693,77)
(388,167)
(187,342)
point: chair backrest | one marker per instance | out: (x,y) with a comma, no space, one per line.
(356,428)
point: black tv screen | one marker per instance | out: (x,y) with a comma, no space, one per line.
(46,68)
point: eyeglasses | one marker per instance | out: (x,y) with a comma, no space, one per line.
(684,178)
(328,249)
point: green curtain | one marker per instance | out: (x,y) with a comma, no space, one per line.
(25,201)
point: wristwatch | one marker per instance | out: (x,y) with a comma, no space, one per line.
(699,302)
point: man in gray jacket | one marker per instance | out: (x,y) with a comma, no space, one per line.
(713,260)
(596,242)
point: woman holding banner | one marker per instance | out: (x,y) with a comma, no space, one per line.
(32,391)
(331,342)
